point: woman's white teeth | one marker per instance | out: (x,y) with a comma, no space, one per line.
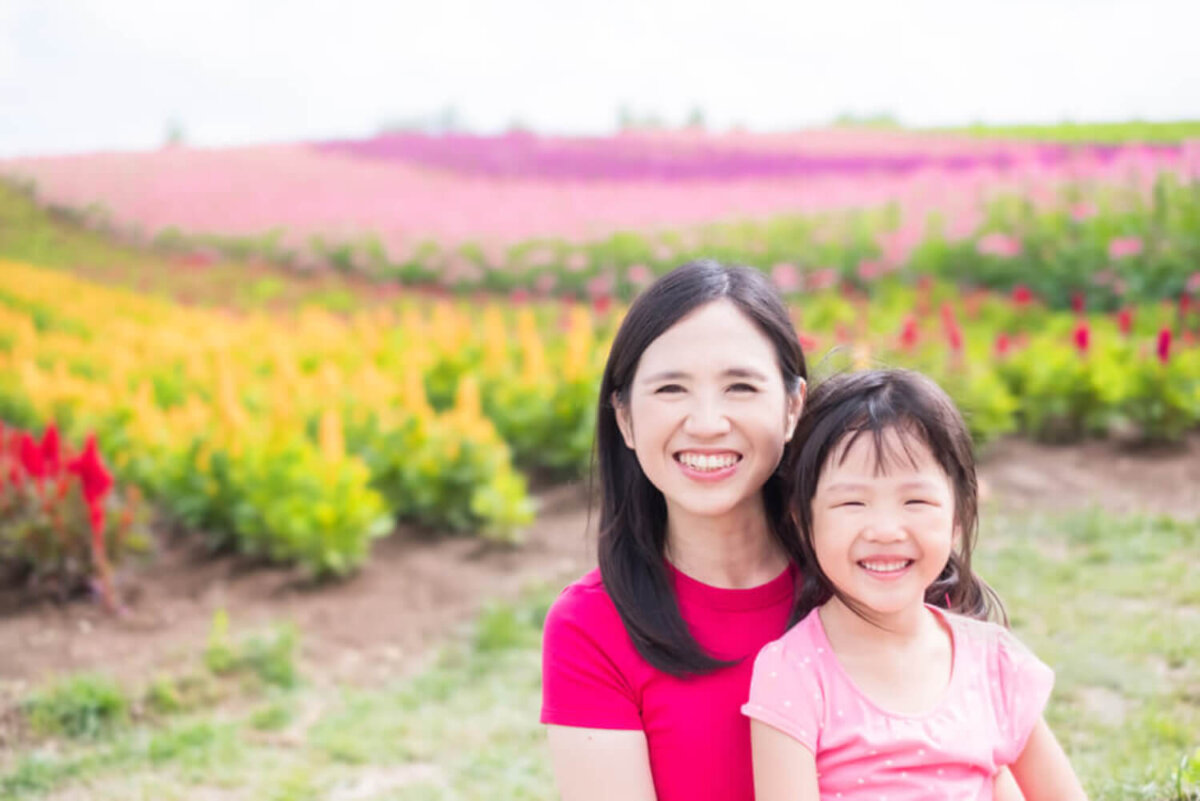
(886,567)
(698,461)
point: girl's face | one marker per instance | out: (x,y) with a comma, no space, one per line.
(708,415)
(883,532)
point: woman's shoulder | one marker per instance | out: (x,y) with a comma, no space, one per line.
(585,607)
(585,597)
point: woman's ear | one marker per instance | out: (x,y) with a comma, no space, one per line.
(624,421)
(795,403)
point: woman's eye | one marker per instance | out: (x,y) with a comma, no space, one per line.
(744,388)
(669,388)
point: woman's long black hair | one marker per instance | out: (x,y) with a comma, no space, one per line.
(870,403)
(633,514)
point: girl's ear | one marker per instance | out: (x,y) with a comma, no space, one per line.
(624,421)
(795,402)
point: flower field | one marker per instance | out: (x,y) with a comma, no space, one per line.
(1054,290)
(554,215)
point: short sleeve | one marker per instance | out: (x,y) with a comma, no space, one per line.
(785,692)
(1021,685)
(582,685)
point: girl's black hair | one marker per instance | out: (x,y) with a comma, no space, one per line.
(873,402)
(633,512)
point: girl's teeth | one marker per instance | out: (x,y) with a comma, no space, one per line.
(701,462)
(885,567)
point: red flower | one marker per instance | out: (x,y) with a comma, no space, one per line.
(1185,304)
(518,296)
(601,304)
(51,450)
(1125,321)
(94,476)
(909,335)
(1077,302)
(1083,335)
(30,455)
(953,329)
(1003,344)
(1164,345)
(1022,295)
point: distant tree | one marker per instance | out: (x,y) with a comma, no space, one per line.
(881,119)
(695,118)
(174,136)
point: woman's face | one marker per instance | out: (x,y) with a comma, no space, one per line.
(707,413)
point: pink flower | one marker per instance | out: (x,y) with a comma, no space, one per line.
(869,270)
(1082,211)
(578,261)
(953,330)
(822,279)
(519,296)
(545,282)
(638,275)
(1193,283)
(786,276)
(1123,246)
(997,244)
(599,286)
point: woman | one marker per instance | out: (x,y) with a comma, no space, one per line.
(645,669)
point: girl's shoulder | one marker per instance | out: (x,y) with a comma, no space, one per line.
(805,639)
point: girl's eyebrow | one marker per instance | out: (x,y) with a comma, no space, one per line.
(732,372)
(852,486)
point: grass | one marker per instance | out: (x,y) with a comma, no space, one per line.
(1113,604)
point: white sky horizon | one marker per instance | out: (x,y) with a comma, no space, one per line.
(84,76)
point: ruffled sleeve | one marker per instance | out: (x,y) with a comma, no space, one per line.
(785,692)
(1021,685)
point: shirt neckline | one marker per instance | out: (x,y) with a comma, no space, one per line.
(692,591)
(944,699)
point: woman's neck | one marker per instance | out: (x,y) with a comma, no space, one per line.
(735,551)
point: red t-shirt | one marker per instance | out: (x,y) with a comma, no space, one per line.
(699,741)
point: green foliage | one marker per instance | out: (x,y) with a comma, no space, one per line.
(270,659)
(84,706)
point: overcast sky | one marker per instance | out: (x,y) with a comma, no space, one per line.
(80,75)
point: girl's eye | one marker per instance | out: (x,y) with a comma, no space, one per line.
(851,503)
(917,501)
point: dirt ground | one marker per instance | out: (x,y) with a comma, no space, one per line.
(416,590)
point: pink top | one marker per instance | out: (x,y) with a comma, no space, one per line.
(699,744)
(995,697)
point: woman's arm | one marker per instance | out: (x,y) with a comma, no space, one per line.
(784,770)
(1043,772)
(600,764)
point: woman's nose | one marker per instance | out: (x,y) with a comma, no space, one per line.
(706,418)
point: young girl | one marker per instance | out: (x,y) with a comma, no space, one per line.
(877,693)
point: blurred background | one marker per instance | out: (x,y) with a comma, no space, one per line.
(303,310)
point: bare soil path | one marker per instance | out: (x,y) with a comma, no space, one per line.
(416,589)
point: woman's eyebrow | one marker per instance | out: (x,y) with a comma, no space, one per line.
(679,375)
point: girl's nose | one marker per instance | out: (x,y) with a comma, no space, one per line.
(884,528)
